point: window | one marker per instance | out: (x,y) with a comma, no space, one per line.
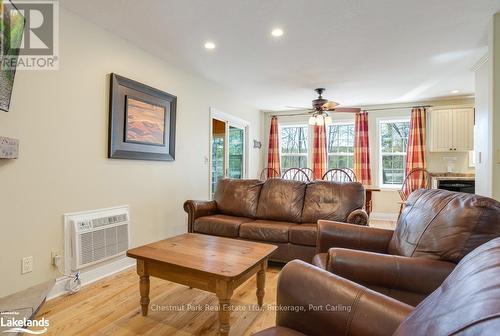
(340,145)
(293,142)
(393,144)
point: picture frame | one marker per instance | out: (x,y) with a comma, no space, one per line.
(12,24)
(142,121)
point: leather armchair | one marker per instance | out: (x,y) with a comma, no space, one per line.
(315,302)
(436,229)
(312,301)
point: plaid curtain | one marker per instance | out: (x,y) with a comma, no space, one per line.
(415,154)
(273,152)
(319,152)
(362,149)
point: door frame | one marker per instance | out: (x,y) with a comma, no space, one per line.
(230,120)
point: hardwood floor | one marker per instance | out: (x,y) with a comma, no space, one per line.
(111,307)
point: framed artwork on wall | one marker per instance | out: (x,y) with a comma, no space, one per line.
(11,29)
(141,121)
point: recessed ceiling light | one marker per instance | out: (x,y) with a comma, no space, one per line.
(209,45)
(455,91)
(277,32)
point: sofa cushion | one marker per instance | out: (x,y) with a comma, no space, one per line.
(267,231)
(332,200)
(304,234)
(444,225)
(238,197)
(219,225)
(281,200)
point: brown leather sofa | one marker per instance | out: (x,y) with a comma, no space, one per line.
(277,211)
(467,303)
(435,231)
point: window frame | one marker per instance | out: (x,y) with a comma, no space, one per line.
(328,154)
(380,155)
(306,154)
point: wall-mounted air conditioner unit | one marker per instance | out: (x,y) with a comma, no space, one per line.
(98,235)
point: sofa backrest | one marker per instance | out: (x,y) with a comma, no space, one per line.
(281,200)
(444,225)
(331,201)
(468,301)
(238,197)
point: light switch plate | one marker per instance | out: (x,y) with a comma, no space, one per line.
(9,148)
(27,265)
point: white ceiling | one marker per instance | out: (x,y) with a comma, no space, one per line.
(363,51)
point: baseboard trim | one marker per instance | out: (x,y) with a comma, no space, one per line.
(92,275)
(389,216)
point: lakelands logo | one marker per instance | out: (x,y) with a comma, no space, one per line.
(16,325)
(29,35)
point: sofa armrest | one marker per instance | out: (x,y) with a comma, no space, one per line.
(197,209)
(416,275)
(315,302)
(336,234)
(359,217)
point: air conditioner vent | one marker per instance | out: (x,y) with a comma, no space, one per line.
(97,238)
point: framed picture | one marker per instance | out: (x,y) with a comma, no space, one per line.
(141,121)
(11,29)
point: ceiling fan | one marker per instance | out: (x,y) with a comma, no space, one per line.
(321,107)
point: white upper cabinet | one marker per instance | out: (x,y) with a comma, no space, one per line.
(451,130)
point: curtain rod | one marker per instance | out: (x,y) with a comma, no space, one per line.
(367,110)
(396,108)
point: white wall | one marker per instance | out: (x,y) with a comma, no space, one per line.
(61,119)
(484,130)
(494,102)
(487,144)
(385,201)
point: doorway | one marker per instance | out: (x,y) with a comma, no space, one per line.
(228,148)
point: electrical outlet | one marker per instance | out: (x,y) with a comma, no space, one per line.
(55,257)
(27,265)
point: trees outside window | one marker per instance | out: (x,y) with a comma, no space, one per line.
(393,146)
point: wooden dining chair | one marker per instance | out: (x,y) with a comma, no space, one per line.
(309,172)
(268,173)
(417,178)
(296,174)
(337,175)
(351,174)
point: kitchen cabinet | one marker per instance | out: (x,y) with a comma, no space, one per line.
(451,129)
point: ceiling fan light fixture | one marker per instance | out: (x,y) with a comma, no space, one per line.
(320,121)
(312,121)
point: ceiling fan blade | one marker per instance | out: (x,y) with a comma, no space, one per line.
(330,106)
(346,110)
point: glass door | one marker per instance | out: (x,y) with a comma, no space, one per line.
(236,151)
(228,151)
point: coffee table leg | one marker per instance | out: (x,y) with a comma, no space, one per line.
(261,283)
(143,286)
(224,293)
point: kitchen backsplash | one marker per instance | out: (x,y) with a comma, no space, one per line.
(457,162)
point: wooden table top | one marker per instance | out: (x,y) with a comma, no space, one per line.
(218,256)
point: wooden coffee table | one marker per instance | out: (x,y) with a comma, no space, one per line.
(214,264)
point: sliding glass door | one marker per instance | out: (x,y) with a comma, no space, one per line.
(228,151)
